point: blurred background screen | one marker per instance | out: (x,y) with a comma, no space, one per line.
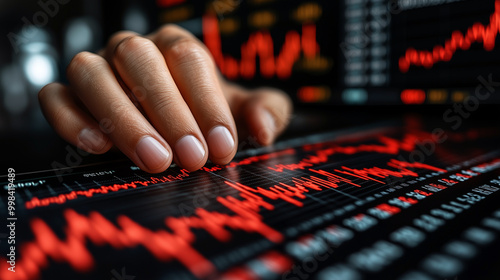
(389,199)
(326,53)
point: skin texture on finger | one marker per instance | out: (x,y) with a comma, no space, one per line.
(108,54)
(94,82)
(264,111)
(143,69)
(70,121)
(195,74)
(115,39)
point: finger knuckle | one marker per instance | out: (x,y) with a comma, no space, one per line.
(118,108)
(186,49)
(131,45)
(285,97)
(169,29)
(83,65)
(163,105)
(118,36)
(181,45)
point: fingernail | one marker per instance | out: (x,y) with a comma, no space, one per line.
(151,152)
(93,140)
(270,127)
(189,151)
(220,142)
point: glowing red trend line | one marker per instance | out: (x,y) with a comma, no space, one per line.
(65,197)
(62,198)
(176,243)
(164,245)
(387,146)
(260,44)
(366,173)
(476,33)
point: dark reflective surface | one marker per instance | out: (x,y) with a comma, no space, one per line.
(380,200)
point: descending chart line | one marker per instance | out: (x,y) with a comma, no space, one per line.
(177,242)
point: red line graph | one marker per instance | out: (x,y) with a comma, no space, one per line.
(63,198)
(176,243)
(260,44)
(387,146)
(476,33)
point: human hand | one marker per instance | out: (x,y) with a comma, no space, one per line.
(159,99)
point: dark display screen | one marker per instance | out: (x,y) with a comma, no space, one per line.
(353,51)
(384,202)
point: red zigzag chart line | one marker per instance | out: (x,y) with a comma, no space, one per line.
(177,242)
(476,33)
(260,44)
(387,146)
